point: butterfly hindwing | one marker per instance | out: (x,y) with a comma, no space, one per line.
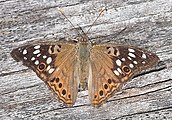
(55,64)
(113,65)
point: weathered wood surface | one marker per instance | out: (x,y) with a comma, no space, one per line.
(148,24)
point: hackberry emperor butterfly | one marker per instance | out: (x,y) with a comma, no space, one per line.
(65,66)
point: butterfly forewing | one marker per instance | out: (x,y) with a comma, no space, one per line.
(55,64)
(36,57)
(113,65)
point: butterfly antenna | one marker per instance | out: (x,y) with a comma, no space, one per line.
(85,35)
(101,12)
(60,10)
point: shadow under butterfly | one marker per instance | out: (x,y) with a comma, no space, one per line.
(67,66)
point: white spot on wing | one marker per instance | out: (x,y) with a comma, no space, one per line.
(116,72)
(143,62)
(131,50)
(49,60)
(33,58)
(135,62)
(123,59)
(25,58)
(37,47)
(44,56)
(36,52)
(119,70)
(144,56)
(38,55)
(24,52)
(48,67)
(36,62)
(132,55)
(131,65)
(51,70)
(129,58)
(118,62)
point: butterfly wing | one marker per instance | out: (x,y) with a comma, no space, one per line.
(55,64)
(113,65)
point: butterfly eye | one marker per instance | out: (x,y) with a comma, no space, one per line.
(126,69)
(41,66)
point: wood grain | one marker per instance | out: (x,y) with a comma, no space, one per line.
(144,23)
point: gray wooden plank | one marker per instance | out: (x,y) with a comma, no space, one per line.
(148,25)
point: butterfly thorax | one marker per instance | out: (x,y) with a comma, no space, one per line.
(84,53)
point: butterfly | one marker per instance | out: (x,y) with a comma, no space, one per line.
(101,68)
(67,67)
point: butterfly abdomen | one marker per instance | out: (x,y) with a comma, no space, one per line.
(84,54)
